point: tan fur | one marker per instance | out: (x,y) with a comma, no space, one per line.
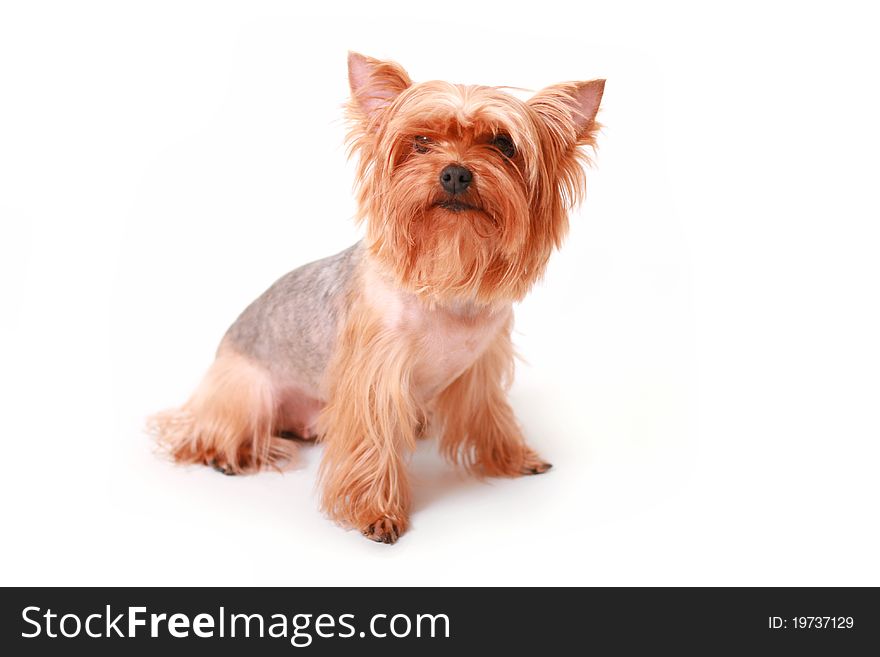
(229,422)
(408,331)
(369,425)
(477,426)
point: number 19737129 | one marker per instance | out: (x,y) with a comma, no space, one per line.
(810,623)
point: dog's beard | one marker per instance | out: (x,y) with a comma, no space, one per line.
(447,249)
(486,244)
(450,253)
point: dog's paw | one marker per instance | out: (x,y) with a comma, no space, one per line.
(534,464)
(222,468)
(384,530)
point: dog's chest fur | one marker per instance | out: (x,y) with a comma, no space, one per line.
(446,340)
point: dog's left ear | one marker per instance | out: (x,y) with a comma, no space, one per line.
(374,83)
(570,109)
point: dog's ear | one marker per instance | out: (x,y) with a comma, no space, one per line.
(374,83)
(570,108)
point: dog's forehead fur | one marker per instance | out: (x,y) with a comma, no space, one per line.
(458,111)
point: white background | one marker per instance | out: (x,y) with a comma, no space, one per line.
(702,356)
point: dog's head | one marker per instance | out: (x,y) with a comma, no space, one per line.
(465,190)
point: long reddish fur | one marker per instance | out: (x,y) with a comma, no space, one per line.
(228,422)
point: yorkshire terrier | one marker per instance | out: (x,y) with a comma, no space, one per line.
(465,192)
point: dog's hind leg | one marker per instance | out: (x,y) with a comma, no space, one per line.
(229,422)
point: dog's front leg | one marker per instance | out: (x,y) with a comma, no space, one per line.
(369,426)
(478,426)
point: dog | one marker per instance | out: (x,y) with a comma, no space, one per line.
(464,192)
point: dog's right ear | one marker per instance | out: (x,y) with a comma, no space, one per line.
(374,83)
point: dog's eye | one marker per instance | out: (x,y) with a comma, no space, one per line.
(505,145)
(421,144)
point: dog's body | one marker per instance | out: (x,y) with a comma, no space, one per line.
(291,331)
(406,333)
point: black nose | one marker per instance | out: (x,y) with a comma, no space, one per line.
(455,178)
